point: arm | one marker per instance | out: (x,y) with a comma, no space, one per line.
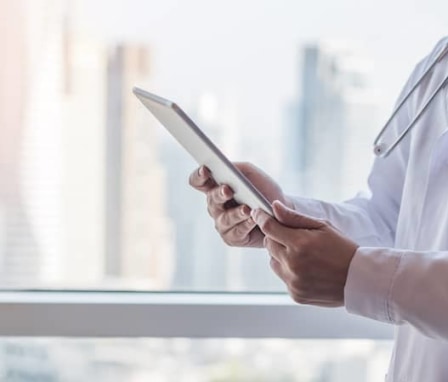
(385,284)
(398,286)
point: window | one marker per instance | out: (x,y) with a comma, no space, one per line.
(182,360)
(95,192)
(97,223)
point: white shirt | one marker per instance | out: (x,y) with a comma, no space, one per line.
(399,274)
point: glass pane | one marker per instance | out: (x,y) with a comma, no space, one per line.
(187,360)
(93,192)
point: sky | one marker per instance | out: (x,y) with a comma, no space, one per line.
(248,51)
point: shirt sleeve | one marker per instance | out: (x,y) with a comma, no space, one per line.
(398,286)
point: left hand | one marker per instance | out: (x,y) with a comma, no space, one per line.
(308,254)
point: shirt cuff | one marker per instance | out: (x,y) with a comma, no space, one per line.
(369,283)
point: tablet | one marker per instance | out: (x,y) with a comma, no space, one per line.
(202,149)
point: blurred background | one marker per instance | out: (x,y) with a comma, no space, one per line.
(93,191)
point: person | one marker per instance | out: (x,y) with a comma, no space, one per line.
(383,255)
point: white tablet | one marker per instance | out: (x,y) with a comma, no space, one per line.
(202,149)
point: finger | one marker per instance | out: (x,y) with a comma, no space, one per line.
(292,219)
(217,198)
(276,266)
(240,233)
(202,179)
(272,228)
(275,249)
(230,218)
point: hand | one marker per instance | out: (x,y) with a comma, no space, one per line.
(309,255)
(233,221)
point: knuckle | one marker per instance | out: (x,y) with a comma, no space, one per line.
(227,238)
(221,221)
(299,295)
(209,198)
(266,224)
(301,246)
(295,280)
(211,210)
(212,199)
(240,231)
(298,298)
(196,181)
(249,224)
(266,243)
(234,237)
(295,248)
(218,226)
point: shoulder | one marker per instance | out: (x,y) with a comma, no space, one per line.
(429,58)
(421,68)
(442,43)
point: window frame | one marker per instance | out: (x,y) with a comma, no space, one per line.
(123,314)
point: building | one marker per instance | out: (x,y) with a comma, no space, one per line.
(138,231)
(330,129)
(82,197)
(29,161)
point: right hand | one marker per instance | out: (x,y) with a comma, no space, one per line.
(232,220)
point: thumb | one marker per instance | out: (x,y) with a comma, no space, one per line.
(292,219)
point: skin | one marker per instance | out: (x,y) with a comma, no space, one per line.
(232,221)
(310,255)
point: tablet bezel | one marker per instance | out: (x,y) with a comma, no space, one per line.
(140,93)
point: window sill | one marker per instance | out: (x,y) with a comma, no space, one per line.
(192,315)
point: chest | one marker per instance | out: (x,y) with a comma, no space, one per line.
(423,221)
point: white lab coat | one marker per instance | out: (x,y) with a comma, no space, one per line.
(399,274)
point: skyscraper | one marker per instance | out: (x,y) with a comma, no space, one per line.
(138,232)
(29,157)
(331,125)
(82,190)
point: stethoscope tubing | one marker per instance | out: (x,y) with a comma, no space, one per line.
(379,148)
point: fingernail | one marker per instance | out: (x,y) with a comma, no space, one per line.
(253,214)
(201,171)
(223,191)
(245,211)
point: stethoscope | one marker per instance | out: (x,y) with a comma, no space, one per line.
(383,149)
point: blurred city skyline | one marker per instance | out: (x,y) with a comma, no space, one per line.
(248,51)
(139,224)
(94,192)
